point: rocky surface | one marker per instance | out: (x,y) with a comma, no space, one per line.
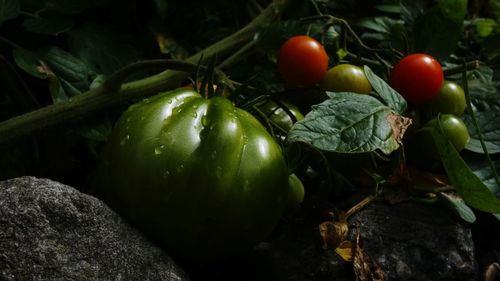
(50,231)
(413,241)
(409,241)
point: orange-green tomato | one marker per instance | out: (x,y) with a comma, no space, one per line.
(450,100)
(200,176)
(346,78)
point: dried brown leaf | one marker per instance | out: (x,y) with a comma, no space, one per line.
(492,272)
(364,267)
(399,124)
(333,233)
(345,250)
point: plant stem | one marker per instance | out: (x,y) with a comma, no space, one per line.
(476,125)
(100,99)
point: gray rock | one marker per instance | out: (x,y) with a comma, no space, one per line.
(50,231)
(413,241)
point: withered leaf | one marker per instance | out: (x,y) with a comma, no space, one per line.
(365,268)
(333,233)
(345,250)
(399,124)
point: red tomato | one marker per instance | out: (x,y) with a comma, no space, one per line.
(302,61)
(418,78)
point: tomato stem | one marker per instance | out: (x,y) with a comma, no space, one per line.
(100,99)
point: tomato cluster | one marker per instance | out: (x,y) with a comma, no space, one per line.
(419,78)
(303,63)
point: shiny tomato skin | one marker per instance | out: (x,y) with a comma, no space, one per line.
(417,77)
(453,128)
(201,177)
(450,100)
(346,78)
(302,61)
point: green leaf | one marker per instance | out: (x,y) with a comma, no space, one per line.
(391,98)
(481,168)
(389,8)
(347,123)
(72,6)
(53,26)
(30,62)
(387,31)
(466,183)
(455,10)
(497,216)
(273,36)
(458,205)
(485,102)
(436,35)
(411,10)
(73,75)
(484,27)
(101,48)
(9,9)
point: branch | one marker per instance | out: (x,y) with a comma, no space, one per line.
(100,99)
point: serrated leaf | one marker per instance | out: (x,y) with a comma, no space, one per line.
(72,6)
(391,98)
(458,205)
(9,9)
(48,26)
(485,102)
(466,183)
(347,123)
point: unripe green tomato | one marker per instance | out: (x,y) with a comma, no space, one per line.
(296,193)
(200,176)
(346,78)
(279,116)
(450,100)
(453,128)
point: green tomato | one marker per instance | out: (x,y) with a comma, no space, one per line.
(278,115)
(450,100)
(296,193)
(421,148)
(346,78)
(453,128)
(200,176)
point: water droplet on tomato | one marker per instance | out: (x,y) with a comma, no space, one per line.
(159,149)
(166,175)
(125,140)
(218,172)
(180,168)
